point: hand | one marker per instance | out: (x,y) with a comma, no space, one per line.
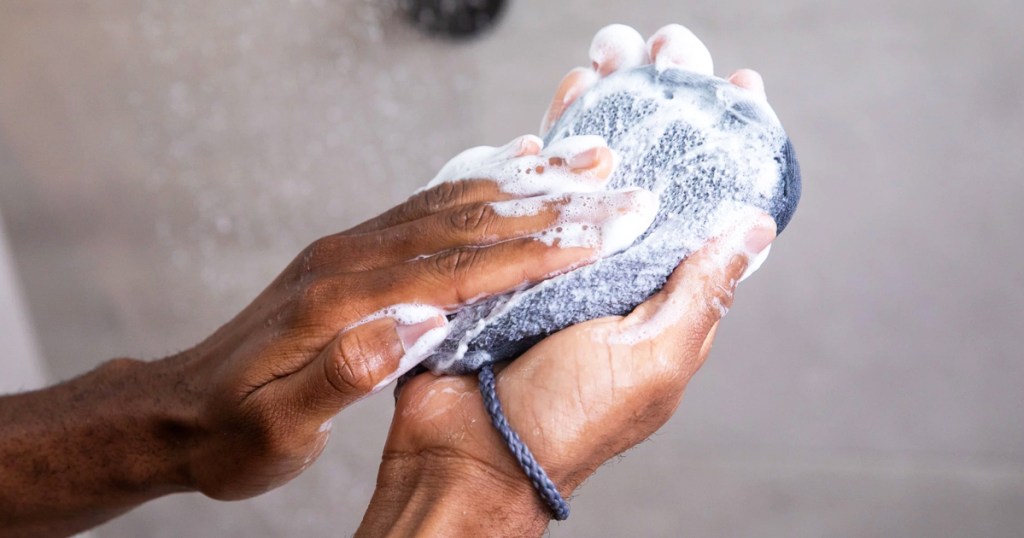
(617,47)
(327,331)
(250,407)
(578,397)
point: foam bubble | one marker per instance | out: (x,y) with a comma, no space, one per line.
(610,221)
(410,314)
(521,207)
(544,173)
(711,153)
(617,46)
(622,231)
(681,49)
(734,222)
(405,314)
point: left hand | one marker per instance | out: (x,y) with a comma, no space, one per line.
(582,395)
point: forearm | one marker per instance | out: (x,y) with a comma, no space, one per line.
(79,453)
(448,496)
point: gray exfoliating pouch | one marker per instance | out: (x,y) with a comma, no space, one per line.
(706,147)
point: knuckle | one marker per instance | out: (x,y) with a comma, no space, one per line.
(442,195)
(476,218)
(718,299)
(453,264)
(350,372)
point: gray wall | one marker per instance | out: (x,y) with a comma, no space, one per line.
(161,161)
(21,367)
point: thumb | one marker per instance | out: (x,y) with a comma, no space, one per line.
(365,358)
(700,291)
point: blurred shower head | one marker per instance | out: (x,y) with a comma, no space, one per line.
(453,18)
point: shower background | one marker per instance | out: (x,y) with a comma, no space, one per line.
(161,161)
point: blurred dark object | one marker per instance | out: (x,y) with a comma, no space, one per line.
(453,18)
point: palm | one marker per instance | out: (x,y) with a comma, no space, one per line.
(572,398)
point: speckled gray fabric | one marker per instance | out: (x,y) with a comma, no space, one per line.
(705,146)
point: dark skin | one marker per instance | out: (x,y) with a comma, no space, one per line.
(579,397)
(249,408)
(585,395)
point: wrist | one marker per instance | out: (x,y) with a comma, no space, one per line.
(141,406)
(449,494)
(78,453)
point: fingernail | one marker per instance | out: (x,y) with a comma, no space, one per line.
(680,48)
(585,160)
(419,339)
(528,144)
(760,235)
(518,147)
(411,334)
(570,95)
(616,46)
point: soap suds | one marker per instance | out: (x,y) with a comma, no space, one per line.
(732,225)
(410,314)
(626,227)
(617,47)
(609,221)
(405,314)
(527,175)
(680,48)
(708,150)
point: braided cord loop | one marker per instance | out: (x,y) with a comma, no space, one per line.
(544,486)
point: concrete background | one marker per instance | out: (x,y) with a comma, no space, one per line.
(161,161)
(20,368)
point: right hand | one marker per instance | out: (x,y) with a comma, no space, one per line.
(617,47)
(261,391)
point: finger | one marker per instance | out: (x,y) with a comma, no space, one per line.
(616,47)
(461,276)
(466,164)
(486,174)
(581,163)
(588,157)
(488,223)
(441,195)
(465,216)
(362,360)
(700,291)
(440,198)
(749,79)
(575,84)
(676,46)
